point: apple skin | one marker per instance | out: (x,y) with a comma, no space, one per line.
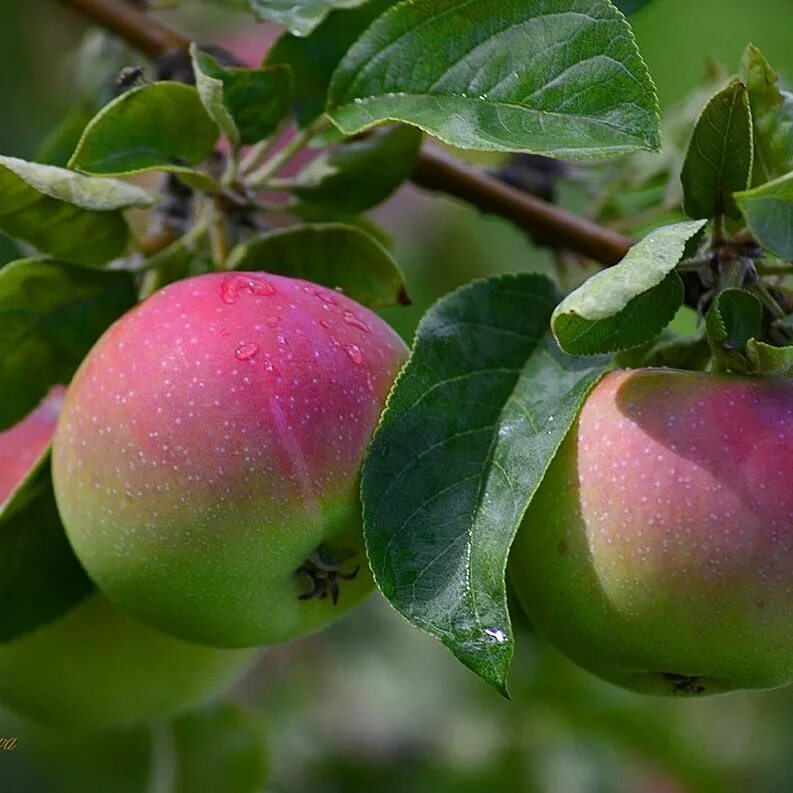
(658,550)
(211,442)
(22,445)
(98,668)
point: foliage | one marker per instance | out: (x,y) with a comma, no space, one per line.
(275,166)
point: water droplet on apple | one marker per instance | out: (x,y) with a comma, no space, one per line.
(232,285)
(350,318)
(356,356)
(246,351)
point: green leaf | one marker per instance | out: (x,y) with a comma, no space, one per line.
(331,254)
(719,158)
(51,313)
(734,317)
(65,214)
(222,747)
(627,305)
(766,359)
(470,428)
(247,104)
(554,77)
(157,127)
(772,117)
(356,176)
(313,59)
(299,16)
(768,210)
(669,350)
(40,577)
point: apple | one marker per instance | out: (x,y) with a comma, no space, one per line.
(658,550)
(207,461)
(22,445)
(98,668)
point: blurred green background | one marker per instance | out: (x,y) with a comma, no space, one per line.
(372,704)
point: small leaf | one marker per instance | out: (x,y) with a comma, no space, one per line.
(314,59)
(734,317)
(555,77)
(719,158)
(768,210)
(470,428)
(51,313)
(221,747)
(331,254)
(247,104)
(766,359)
(65,214)
(772,117)
(627,305)
(162,126)
(357,176)
(299,16)
(40,577)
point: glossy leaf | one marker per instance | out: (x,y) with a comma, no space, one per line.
(299,16)
(246,104)
(313,59)
(40,577)
(65,214)
(768,209)
(162,126)
(470,429)
(772,117)
(555,77)
(51,313)
(627,305)
(331,254)
(357,176)
(719,158)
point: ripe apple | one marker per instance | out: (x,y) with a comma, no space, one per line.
(658,550)
(206,464)
(99,668)
(22,445)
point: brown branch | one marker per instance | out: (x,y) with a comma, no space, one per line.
(547,223)
(435,170)
(131,24)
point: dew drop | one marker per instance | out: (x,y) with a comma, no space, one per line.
(350,318)
(232,285)
(246,351)
(355,354)
(496,634)
(325,297)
